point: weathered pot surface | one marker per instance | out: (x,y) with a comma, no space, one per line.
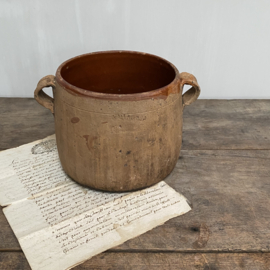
(118,117)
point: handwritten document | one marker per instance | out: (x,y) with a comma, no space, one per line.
(60,224)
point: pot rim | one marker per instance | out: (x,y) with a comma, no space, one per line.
(156,93)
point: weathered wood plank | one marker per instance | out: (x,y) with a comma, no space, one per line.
(208,124)
(227,124)
(23,120)
(162,261)
(229,192)
(8,240)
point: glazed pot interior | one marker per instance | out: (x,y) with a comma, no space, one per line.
(118,72)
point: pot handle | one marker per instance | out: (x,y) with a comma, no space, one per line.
(193,93)
(42,98)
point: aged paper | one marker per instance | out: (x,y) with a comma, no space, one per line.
(59,223)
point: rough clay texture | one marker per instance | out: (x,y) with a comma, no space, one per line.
(119,144)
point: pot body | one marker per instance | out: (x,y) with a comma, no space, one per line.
(118,142)
(117,145)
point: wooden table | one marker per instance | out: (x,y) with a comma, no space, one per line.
(223,170)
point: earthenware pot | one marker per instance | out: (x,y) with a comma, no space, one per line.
(118,117)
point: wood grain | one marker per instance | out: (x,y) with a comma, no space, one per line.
(229,193)
(23,120)
(155,261)
(208,124)
(227,124)
(223,171)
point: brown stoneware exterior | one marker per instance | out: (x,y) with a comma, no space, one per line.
(118,117)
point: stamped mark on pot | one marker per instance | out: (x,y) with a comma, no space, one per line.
(44,147)
(131,117)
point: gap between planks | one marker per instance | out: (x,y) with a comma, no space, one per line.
(186,149)
(167,251)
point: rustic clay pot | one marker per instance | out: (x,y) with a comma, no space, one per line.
(118,117)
